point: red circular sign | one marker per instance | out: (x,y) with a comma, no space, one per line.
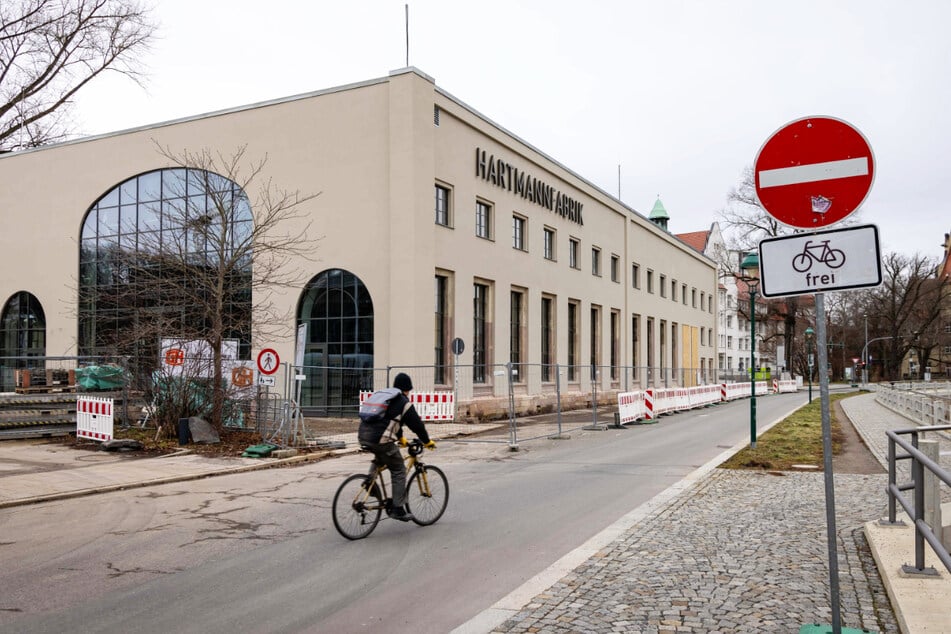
(268,361)
(814,172)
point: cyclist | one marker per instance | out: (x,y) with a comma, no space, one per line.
(382,440)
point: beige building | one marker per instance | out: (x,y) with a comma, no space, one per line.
(434,222)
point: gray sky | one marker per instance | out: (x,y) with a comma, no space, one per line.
(680,94)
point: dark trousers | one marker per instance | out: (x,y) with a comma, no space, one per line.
(388,454)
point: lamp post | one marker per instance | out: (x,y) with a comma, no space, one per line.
(750,267)
(810,334)
(865,356)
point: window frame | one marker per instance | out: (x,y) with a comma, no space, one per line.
(443,214)
(483,221)
(519,232)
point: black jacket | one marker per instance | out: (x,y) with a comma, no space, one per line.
(399,412)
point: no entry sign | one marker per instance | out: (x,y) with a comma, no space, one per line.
(814,172)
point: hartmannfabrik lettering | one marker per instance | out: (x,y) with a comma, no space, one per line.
(511,178)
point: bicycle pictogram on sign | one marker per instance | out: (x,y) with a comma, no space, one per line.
(818,252)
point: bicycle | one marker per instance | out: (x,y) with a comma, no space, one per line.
(361,499)
(833,258)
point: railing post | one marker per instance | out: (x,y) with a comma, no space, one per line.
(932,491)
(892,480)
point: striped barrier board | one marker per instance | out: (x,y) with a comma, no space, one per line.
(94,418)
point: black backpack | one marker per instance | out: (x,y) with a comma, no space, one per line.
(373,408)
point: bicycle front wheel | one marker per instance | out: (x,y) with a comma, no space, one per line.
(427,494)
(836,258)
(356,511)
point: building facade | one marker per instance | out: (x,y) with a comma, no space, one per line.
(434,224)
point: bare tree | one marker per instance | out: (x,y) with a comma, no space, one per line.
(746,224)
(210,257)
(905,311)
(50,49)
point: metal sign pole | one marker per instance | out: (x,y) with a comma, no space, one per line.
(827,462)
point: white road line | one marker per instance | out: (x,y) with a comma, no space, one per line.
(814,172)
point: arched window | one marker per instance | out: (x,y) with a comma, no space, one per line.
(338,358)
(149,251)
(22,335)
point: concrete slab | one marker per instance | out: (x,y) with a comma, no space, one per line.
(921,603)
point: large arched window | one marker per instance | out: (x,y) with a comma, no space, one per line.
(149,254)
(338,312)
(22,335)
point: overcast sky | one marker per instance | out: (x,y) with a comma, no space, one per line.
(679,94)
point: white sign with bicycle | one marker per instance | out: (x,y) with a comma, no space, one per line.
(819,261)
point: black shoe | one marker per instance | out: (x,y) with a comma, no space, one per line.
(400,514)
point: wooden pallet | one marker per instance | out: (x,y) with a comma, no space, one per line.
(48,378)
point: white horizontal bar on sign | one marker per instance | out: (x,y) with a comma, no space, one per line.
(814,172)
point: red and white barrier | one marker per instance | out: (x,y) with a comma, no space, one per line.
(651,403)
(429,405)
(632,406)
(94,418)
(786,386)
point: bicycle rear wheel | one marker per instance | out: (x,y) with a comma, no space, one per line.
(356,511)
(427,494)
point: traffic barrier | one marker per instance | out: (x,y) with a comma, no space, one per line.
(94,418)
(429,405)
(632,406)
(786,386)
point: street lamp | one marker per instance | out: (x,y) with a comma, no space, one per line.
(810,334)
(865,356)
(750,267)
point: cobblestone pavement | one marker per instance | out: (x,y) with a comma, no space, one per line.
(736,552)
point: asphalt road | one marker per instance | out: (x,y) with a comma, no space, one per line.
(257,552)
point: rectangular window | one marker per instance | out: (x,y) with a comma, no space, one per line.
(441,360)
(662,336)
(615,343)
(483,220)
(650,345)
(442,205)
(693,297)
(703,300)
(595,340)
(650,281)
(573,341)
(636,275)
(517,333)
(615,268)
(548,341)
(596,261)
(635,341)
(549,247)
(518,233)
(946,349)
(683,293)
(673,290)
(573,253)
(662,282)
(480,331)
(947,327)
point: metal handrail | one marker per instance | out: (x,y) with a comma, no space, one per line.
(920,462)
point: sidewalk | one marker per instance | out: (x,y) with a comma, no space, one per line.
(721,551)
